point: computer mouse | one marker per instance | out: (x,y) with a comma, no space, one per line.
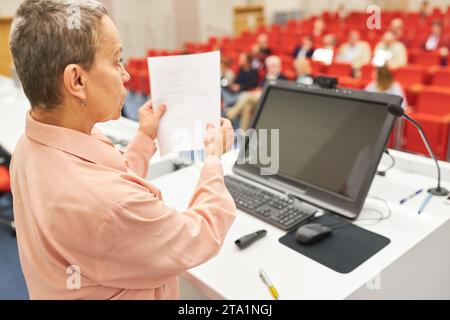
(312,233)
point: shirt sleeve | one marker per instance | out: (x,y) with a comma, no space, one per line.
(143,242)
(139,152)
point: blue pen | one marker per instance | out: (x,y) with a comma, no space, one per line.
(411,196)
(425,203)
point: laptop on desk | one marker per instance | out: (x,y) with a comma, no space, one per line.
(310,148)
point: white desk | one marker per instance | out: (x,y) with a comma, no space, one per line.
(14,106)
(416,264)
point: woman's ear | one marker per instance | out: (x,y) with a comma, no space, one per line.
(74,79)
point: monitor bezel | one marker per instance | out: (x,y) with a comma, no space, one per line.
(324,199)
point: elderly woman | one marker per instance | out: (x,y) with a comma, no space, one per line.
(88,224)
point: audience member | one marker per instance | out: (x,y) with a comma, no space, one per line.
(384,83)
(246,79)
(355,52)
(247,102)
(305,50)
(391,51)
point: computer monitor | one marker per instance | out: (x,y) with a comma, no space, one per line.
(330,143)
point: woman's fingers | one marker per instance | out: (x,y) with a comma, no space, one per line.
(148,106)
(160,111)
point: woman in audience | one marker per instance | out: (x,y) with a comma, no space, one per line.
(246,79)
(247,102)
(384,83)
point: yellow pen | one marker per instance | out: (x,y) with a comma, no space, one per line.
(269,284)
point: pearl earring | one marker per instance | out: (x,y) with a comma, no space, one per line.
(83,103)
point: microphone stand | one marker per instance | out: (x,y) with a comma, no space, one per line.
(399,112)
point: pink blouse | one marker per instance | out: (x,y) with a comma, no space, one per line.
(90,227)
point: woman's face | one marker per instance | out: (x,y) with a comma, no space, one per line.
(105,89)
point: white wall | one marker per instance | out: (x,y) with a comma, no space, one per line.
(166,24)
(145,24)
(8,7)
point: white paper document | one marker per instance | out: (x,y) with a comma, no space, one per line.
(189,85)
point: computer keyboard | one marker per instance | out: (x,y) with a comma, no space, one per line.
(281,211)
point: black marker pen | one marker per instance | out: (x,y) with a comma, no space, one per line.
(247,240)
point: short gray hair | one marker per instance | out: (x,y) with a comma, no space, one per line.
(48,35)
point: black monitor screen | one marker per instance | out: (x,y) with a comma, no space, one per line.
(324,141)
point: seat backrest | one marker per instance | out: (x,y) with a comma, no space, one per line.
(434,100)
(4,180)
(442,78)
(428,59)
(410,75)
(339,69)
(367,72)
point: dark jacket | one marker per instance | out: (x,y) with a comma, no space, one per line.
(247,80)
(309,53)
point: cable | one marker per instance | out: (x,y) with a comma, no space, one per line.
(377,220)
(383,172)
(382,217)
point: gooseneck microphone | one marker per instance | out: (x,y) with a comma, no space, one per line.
(399,112)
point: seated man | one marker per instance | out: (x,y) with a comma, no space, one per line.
(303,71)
(246,79)
(260,51)
(390,51)
(435,40)
(325,53)
(397,27)
(247,102)
(305,50)
(355,52)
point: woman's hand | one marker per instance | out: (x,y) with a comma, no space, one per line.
(218,141)
(149,119)
(235,87)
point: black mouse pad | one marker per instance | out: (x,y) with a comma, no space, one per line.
(344,250)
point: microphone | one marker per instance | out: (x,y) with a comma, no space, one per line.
(399,112)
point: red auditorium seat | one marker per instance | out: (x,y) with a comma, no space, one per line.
(339,69)
(367,72)
(427,59)
(133,84)
(410,75)
(411,78)
(433,114)
(135,67)
(351,83)
(4,180)
(143,82)
(317,67)
(442,78)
